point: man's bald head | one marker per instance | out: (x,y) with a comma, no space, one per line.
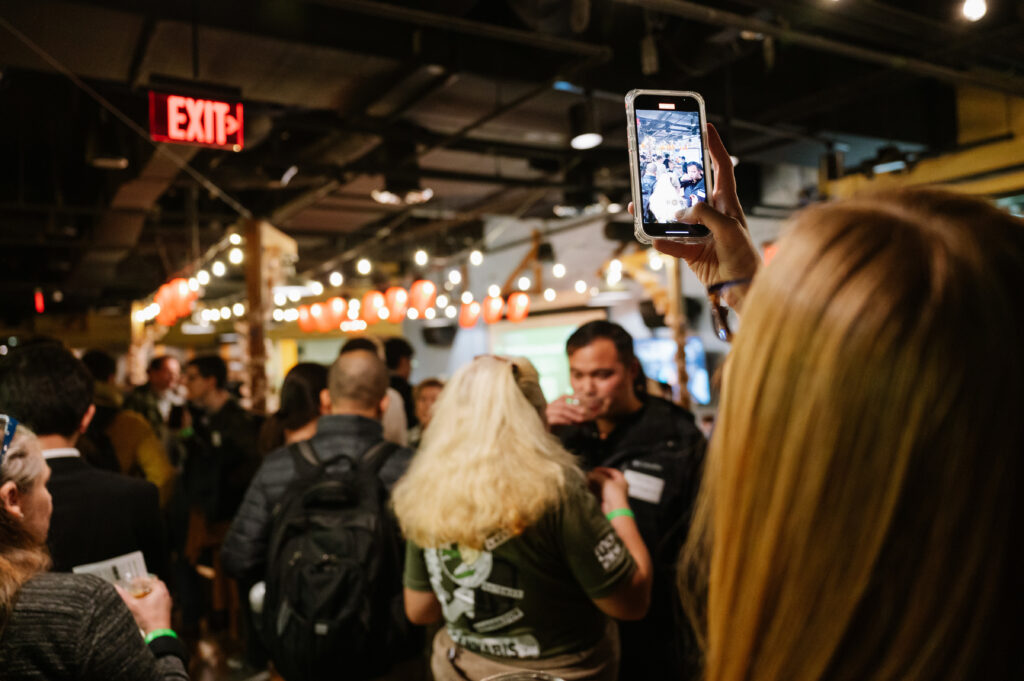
(358,380)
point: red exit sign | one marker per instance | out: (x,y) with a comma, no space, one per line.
(191,120)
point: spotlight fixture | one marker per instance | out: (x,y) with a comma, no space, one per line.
(583,126)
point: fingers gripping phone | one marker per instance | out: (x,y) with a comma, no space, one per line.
(669,170)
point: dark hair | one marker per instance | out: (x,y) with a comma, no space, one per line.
(694,163)
(592,331)
(395,349)
(101,365)
(300,404)
(300,395)
(359,344)
(45,387)
(157,363)
(211,366)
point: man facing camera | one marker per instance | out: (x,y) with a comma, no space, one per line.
(610,421)
(97,515)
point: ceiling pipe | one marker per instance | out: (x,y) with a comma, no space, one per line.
(689,10)
(476,29)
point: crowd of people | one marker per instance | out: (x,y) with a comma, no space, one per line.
(853,516)
(669,183)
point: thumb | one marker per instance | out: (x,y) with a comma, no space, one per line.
(724,228)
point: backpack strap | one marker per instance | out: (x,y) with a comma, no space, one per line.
(307,463)
(377,455)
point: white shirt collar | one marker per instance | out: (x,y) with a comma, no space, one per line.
(60,453)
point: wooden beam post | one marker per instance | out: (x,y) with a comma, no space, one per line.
(257,285)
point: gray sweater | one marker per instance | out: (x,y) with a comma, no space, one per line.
(76,627)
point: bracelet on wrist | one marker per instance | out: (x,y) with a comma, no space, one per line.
(157,633)
(619,512)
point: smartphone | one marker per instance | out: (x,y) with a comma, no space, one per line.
(669,169)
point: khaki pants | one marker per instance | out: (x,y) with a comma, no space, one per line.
(600,663)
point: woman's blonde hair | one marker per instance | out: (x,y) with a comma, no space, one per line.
(486,463)
(860,516)
(21,556)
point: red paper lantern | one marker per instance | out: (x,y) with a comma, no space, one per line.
(321,321)
(307,323)
(469,315)
(182,300)
(397,299)
(373,302)
(518,306)
(334,313)
(422,295)
(493,307)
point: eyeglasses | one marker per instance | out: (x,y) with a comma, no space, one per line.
(9,426)
(719,312)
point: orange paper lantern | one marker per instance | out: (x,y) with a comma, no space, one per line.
(422,295)
(373,302)
(334,313)
(469,315)
(306,321)
(397,299)
(493,307)
(321,317)
(518,306)
(181,298)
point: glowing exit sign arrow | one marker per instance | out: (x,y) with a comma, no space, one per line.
(192,120)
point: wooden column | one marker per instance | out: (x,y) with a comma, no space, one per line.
(676,320)
(257,291)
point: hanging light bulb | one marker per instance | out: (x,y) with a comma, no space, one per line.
(430,313)
(316,288)
(421,258)
(294,296)
(219,269)
(203,277)
(238,309)
(413,313)
(235,239)
(558,270)
(467,297)
(280,299)
(450,312)
(494,290)
(442,301)
(549,294)
(455,277)
(974,9)
(363,266)
(235,256)
(225,312)
(581,287)
(476,258)
(654,260)
(613,277)
(278,315)
(524,283)
(336,279)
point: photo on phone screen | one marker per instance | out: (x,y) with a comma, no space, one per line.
(669,157)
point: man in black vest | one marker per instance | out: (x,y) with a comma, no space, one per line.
(97,514)
(610,421)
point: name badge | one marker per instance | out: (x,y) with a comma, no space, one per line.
(644,487)
(215,438)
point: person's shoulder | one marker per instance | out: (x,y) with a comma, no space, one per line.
(65,589)
(121,485)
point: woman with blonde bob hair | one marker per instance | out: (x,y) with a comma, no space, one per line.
(860,515)
(506,543)
(65,626)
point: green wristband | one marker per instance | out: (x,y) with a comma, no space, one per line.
(186,432)
(618,513)
(157,633)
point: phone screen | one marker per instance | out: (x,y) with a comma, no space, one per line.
(669,150)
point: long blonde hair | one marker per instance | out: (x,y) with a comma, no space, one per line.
(860,515)
(486,463)
(21,555)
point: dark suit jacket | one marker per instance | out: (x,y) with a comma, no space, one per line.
(99,515)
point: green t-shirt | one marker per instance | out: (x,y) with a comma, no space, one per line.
(528,596)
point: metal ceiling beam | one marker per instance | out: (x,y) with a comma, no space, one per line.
(688,10)
(476,29)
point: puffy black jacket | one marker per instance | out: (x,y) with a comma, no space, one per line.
(339,440)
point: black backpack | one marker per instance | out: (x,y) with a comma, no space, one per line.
(333,587)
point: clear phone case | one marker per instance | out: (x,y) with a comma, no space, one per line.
(634,162)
